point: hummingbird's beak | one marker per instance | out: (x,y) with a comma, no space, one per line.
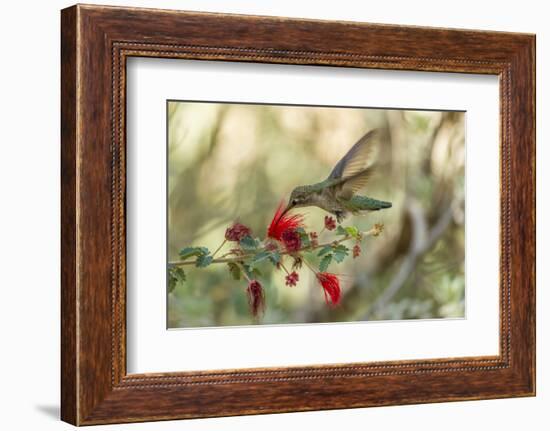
(287,209)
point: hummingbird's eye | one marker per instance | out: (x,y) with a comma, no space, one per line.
(294,201)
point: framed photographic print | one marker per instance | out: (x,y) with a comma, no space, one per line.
(329,214)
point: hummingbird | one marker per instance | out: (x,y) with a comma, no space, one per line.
(337,194)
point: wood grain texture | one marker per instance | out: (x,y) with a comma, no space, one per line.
(69,370)
(96,41)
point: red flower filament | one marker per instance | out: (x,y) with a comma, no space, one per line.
(331,287)
(282,222)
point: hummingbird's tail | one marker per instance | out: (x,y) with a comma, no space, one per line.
(364,203)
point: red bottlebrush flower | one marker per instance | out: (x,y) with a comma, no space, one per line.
(331,287)
(292,240)
(282,222)
(314,239)
(256,297)
(330,223)
(237,232)
(356,250)
(292,278)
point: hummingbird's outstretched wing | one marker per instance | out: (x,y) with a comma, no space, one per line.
(352,172)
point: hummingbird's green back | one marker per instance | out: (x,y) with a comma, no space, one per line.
(365,203)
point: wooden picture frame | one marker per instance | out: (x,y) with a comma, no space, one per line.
(96,41)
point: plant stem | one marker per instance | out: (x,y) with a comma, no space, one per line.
(243,271)
(284,267)
(374,231)
(219,248)
(309,266)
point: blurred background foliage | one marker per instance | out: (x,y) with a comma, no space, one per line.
(236,162)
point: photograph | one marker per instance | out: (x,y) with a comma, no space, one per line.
(275,215)
(294,214)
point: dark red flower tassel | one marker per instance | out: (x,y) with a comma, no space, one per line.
(330,223)
(237,232)
(292,278)
(283,222)
(331,287)
(256,297)
(292,240)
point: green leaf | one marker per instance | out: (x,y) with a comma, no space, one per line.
(326,249)
(247,270)
(248,243)
(203,260)
(301,231)
(340,252)
(348,231)
(188,252)
(175,275)
(251,272)
(275,257)
(352,231)
(341,231)
(235,270)
(172,283)
(304,237)
(259,257)
(325,262)
(180,274)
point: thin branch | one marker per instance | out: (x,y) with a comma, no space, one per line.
(422,241)
(219,248)
(374,231)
